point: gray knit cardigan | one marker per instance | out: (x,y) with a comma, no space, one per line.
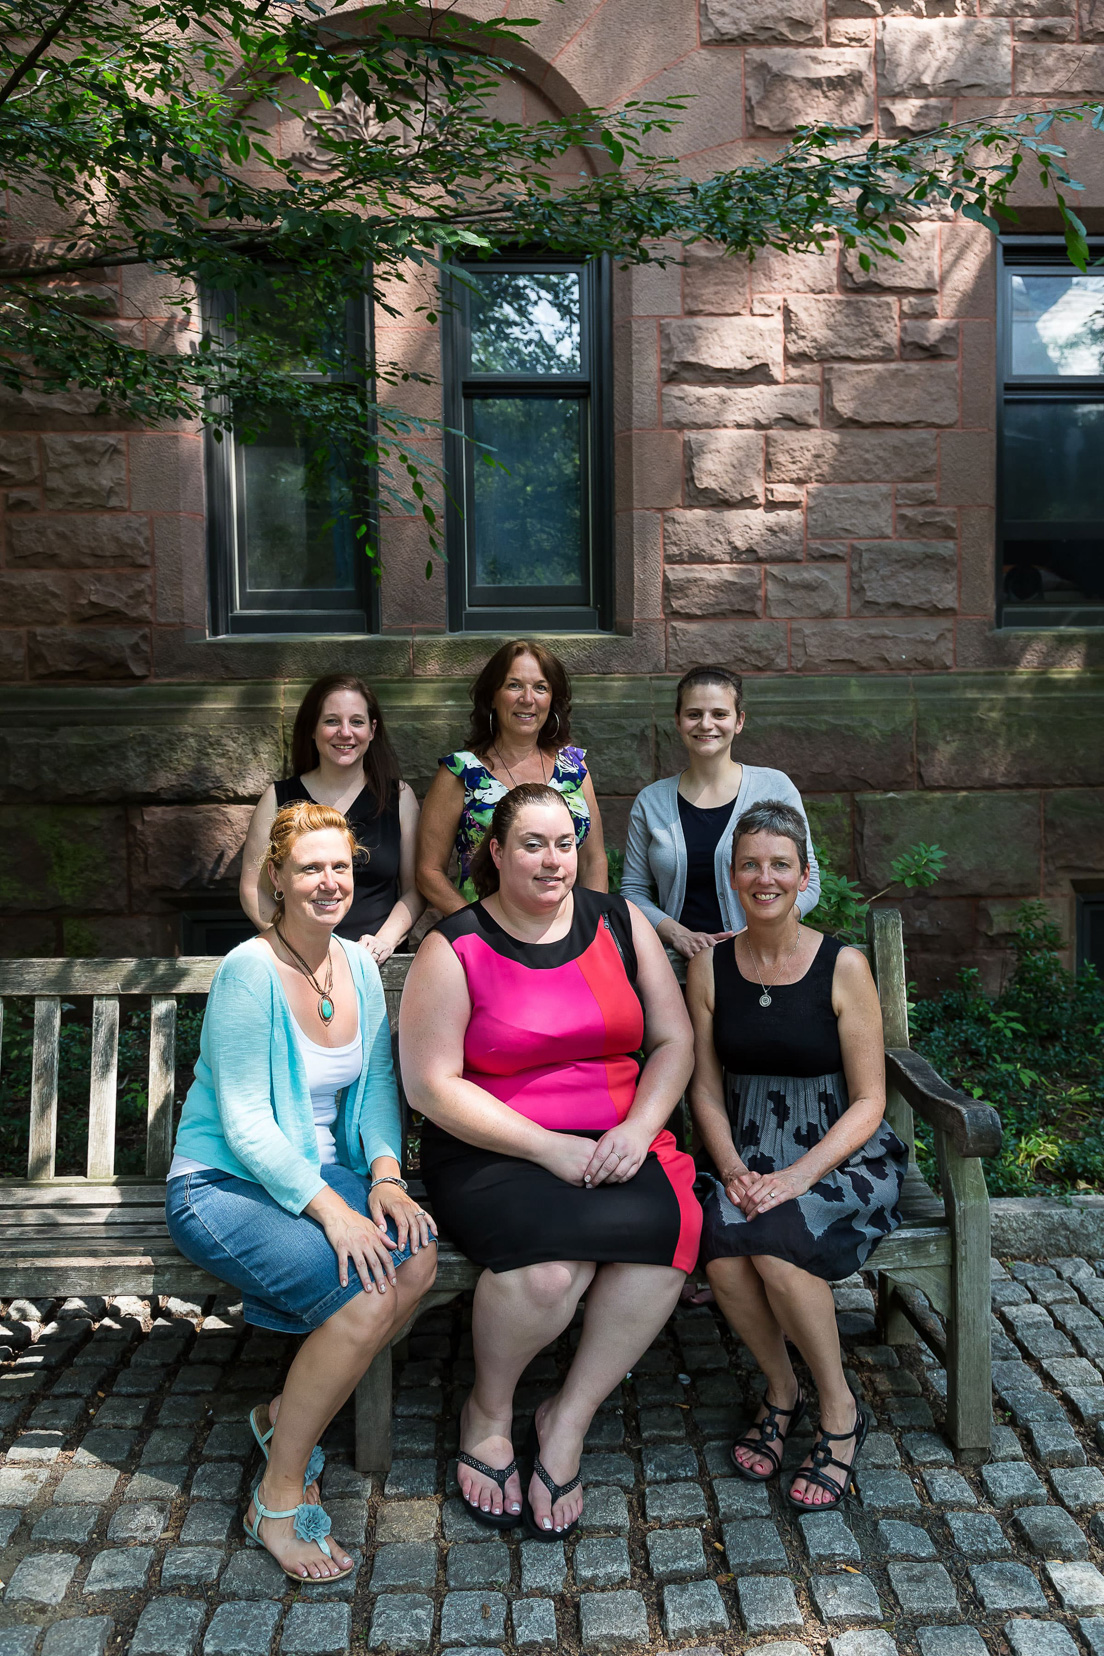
(655,854)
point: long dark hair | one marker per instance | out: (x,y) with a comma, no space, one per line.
(481,731)
(484,874)
(381,767)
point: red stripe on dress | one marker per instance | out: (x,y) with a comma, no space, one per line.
(680,1171)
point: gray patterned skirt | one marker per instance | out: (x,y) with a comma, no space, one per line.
(830,1230)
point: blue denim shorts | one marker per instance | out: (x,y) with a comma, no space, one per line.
(281,1262)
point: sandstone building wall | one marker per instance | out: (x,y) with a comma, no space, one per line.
(804,490)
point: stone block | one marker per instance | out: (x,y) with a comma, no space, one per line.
(754,1544)
(692,1609)
(190,1566)
(104,653)
(41,1578)
(823,328)
(768,1604)
(208,1522)
(401,1621)
(648,469)
(733,589)
(1006,1587)
(1079,1488)
(1080,1586)
(774,272)
(874,1641)
(887,1491)
(111,595)
(612,1621)
(28,599)
(139,1521)
(603,1469)
(806,590)
(922,340)
(1028,1637)
(168,1627)
(923,1589)
(411,1564)
(945,57)
(827,1538)
(760,407)
(166,472)
(1050,1532)
(606,1509)
(242,1630)
(904,577)
(473,1618)
(900,1540)
(968,825)
(18,460)
(855,511)
(892,394)
(761,23)
(785,89)
(950,1641)
(601,1561)
(966,470)
(84,542)
(724,468)
(543,1566)
(120,1570)
(1076,69)
(732,537)
(916,268)
(675,1555)
(250,1575)
(86,1484)
(871,646)
(85,473)
(977,1535)
(852,456)
(316,1630)
(534,1622)
(757,646)
(1074,821)
(713,281)
(845,1598)
(734,350)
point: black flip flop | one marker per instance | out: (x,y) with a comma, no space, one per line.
(528,1518)
(493,1520)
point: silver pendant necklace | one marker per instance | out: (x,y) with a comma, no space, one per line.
(510,773)
(764,998)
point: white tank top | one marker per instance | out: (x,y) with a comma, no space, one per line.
(328,1070)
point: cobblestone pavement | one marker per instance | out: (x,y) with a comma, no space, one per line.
(127,1452)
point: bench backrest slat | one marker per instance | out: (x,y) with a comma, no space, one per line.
(885,931)
(42,1142)
(162,1076)
(102,1089)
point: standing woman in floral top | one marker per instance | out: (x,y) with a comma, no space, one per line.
(520,730)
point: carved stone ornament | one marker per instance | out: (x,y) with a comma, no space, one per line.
(352,118)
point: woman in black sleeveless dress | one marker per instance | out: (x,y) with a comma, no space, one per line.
(341,756)
(802,1174)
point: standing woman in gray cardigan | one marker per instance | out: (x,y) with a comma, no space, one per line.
(680,829)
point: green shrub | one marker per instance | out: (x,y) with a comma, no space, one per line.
(1035,1053)
(841,908)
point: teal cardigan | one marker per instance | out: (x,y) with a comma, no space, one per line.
(248,1111)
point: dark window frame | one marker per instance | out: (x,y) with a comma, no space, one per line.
(291,610)
(1089,944)
(1039,255)
(470,608)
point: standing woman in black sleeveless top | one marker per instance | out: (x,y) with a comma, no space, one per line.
(803,1173)
(341,756)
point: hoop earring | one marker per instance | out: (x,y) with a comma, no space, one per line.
(491,721)
(551,735)
(279,896)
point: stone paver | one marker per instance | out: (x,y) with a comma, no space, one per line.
(123,1453)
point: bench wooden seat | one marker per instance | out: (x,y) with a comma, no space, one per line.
(105,1233)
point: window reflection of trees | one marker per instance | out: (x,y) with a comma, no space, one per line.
(526,323)
(528,518)
(1057,325)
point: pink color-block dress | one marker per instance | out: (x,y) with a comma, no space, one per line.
(555,1031)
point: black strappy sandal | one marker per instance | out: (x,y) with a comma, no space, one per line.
(493,1520)
(822,1457)
(532,1448)
(768,1434)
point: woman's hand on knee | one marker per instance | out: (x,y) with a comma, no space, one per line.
(356,1241)
(619,1155)
(390,1201)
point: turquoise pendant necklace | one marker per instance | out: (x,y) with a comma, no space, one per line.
(325,995)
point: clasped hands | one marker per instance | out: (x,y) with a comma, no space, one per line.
(755,1193)
(616,1158)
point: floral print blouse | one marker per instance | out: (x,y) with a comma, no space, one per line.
(483,790)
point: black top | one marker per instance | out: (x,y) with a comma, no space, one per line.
(591,909)
(375,877)
(797,1034)
(702,827)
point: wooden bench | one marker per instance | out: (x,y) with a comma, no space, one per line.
(105,1233)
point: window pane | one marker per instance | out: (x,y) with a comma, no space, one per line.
(292,537)
(525,322)
(1057,324)
(1052,462)
(527,520)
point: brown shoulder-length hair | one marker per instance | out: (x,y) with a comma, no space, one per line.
(381,767)
(484,874)
(555,733)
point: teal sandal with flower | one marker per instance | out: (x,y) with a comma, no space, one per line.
(315,1464)
(311,1524)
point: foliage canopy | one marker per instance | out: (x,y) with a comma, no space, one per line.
(139,133)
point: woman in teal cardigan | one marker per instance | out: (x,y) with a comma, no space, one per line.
(286,1180)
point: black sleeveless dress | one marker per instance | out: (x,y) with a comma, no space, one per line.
(784,1088)
(375,877)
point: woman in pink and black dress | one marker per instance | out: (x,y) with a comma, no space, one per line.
(545,1151)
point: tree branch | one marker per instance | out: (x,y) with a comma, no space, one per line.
(23,69)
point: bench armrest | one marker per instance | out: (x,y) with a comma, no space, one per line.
(975,1128)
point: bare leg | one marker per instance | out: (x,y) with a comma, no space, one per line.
(804,1306)
(325,1371)
(742,1297)
(625,1309)
(515,1315)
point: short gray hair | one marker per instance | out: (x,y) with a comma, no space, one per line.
(774,816)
